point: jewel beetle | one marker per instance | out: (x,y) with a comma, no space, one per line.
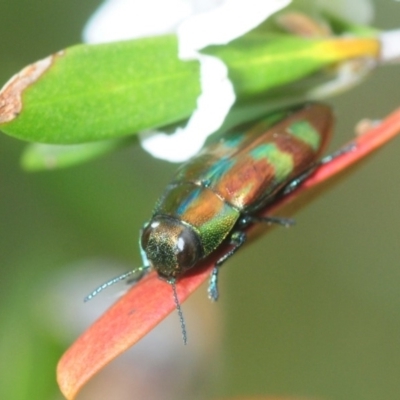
(222,190)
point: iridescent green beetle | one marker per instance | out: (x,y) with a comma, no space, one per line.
(220,191)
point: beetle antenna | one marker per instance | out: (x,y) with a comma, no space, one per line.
(180,313)
(114,280)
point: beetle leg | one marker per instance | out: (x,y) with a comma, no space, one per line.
(142,252)
(146,265)
(250,219)
(237,240)
(213,285)
(295,183)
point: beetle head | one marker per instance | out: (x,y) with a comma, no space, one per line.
(171,246)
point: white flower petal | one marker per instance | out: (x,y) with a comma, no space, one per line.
(218,26)
(221,25)
(212,106)
(128,19)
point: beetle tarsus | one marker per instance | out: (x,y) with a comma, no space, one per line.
(213,293)
(285,222)
(344,150)
(237,240)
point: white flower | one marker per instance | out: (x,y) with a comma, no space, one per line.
(197,24)
(128,19)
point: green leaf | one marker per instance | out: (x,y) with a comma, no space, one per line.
(259,62)
(90,93)
(105,91)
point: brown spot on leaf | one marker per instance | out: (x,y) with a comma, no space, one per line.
(11,93)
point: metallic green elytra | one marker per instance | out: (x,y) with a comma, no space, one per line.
(220,191)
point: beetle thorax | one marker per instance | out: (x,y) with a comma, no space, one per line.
(171,246)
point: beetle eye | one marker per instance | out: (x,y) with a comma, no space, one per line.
(188,249)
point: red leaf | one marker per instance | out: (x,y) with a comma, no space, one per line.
(150,301)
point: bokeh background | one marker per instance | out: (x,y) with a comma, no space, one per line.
(311,311)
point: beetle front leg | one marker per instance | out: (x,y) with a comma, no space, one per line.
(145,269)
(237,240)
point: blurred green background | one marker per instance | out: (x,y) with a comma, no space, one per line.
(311,311)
